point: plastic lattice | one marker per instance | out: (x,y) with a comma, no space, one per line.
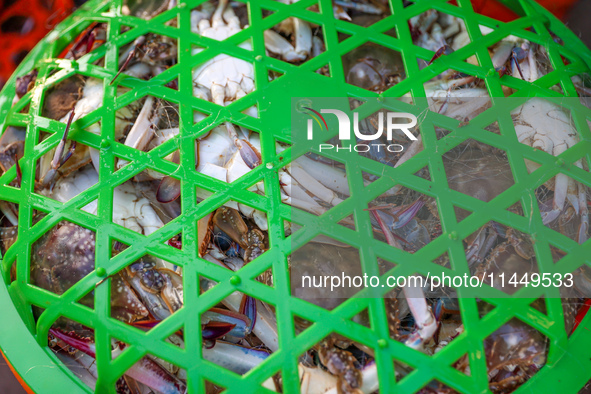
(568,366)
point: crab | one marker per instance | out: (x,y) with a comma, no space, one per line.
(304,42)
(67,102)
(230,222)
(160,289)
(373,67)
(544,125)
(514,352)
(515,256)
(64,255)
(145,371)
(223,78)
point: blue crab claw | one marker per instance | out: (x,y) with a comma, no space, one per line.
(216,329)
(236,358)
(446,305)
(248,307)
(391,238)
(210,331)
(242,324)
(400,216)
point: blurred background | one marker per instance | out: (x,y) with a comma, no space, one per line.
(24,22)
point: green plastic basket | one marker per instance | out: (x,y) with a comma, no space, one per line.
(24,341)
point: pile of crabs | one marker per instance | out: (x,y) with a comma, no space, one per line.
(241,332)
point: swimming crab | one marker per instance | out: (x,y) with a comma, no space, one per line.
(223,78)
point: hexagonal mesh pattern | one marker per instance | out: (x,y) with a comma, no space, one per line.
(272,98)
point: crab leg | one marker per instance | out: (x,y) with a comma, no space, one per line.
(83,366)
(143,129)
(332,177)
(480,246)
(236,358)
(424,319)
(144,371)
(297,197)
(57,157)
(275,43)
(137,43)
(265,327)
(399,217)
(312,185)
(9,210)
(303,38)
(362,7)
(153,302)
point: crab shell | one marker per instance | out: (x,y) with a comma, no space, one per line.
(478,174)
(64,255)
(514,352)
(506,259)
(12,147)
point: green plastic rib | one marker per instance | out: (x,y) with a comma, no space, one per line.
(24,341)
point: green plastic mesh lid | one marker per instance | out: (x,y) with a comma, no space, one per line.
(83,56)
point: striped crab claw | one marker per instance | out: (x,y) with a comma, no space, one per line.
(216,323)
(221,329)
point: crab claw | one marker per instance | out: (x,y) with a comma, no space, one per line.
(361,7)
(216,329)
(144,371)
(248,307)
(425,320)
(241,323)
(168,190)
(250,154)
(303,39)
(399,217)
(236,358)
(391,238)
(340,13)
